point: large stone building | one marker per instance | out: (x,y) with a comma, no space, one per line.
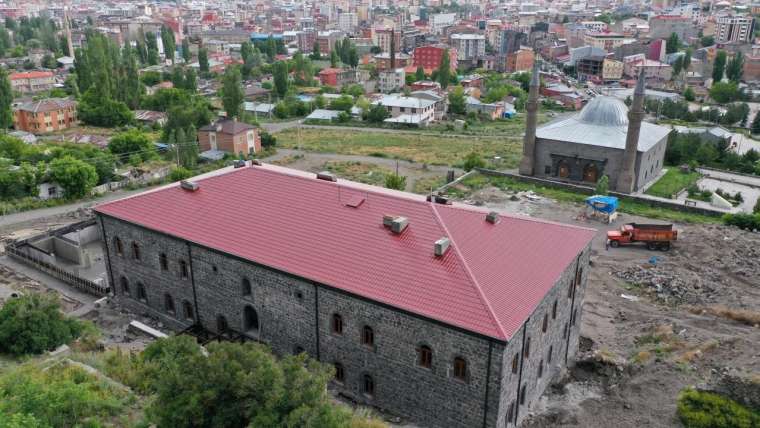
(428,310)
(605,138)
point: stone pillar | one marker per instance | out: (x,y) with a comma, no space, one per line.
(627,177)
(529,141)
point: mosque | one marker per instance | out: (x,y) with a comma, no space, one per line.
(605,138)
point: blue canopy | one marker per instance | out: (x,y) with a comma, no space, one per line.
(605,204)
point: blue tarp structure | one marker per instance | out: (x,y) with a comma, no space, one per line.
(605,204)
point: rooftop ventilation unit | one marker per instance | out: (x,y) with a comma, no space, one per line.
(256,162)
(395,223)
(492,217)
(439,199)
(239,163)
(327,176)
(190,186)
(441,246)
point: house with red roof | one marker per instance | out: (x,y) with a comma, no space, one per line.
(439,312)
(32,81)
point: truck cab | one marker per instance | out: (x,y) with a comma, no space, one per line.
(655,236)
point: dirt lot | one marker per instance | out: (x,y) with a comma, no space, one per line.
(687,317)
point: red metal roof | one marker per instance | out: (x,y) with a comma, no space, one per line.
(31,75)
(490,280)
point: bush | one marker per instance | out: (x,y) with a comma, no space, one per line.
(472,161)
(698,409)
(397,182)
(34,323)
(743,221)
(179,173)
(268,140)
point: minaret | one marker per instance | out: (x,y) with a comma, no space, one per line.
(627,176)
(529,141)
(67,30)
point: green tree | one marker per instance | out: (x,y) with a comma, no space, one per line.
(76,177)
(203,60)
(724,92)
(457,101)
(472,161)
(186,55)
(268,140)
(191,80)
(6,99)
(132,142)
(232,92)
(34,323)
(755,127)
(444,70)
(169,42)
(333,58)
(394,181)
(719,66)
(688,94)
(677,66)
(673,44)
(687,60)
(280,75)
(151,44)
(419,75)
(602,185)
(343,103)
(316,55)
(353,57)
(707,41)
(735,67)
(377,114)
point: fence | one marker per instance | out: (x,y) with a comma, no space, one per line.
(80,283)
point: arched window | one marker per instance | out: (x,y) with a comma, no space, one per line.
(590,173)
(368,336)
(187,309)
(141,296)
(522,395)
(163,262)
(554,310)
(515,363)
(169,304)
(250,319)
(221,324)
(540,369)
(572,318)
(460,368)
(118,245)
(545,324)
(183,269)
(368,385)
(425,356)
(337,324)
(135,251)
(124,285)
(527,348)
(340,376)
(511,413)
(563,169)
(246,287)
(549,354)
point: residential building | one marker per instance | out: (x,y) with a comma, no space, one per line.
(520,60)
(632,66)
(347,22)
(752,65)
(337,77)
(595,26)
(662,26)
(612,70)
(511,41)
(317,279)
(48,115)
(229,136)
(734,29)
(439,21)
(391,80)
(469,47)
(383,40)
(383,60)
(32,81)
(429,57)
(408,110)
(606,41)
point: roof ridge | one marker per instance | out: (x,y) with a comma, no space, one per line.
(468,271)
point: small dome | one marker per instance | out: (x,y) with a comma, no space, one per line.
(605,111)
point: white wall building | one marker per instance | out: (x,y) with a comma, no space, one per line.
(468,46)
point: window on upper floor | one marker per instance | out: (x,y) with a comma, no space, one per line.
(460,368)
(368,336)
(183,269)
(141,295)
(246,287)
(526,351)
(425,356)
(515,363)
(545,324)
(522,394)
(549,354)
(187,309)
(554,310)
(337,324)
(118,245)
(135,251)
(124,285)
(163,261)
(169,304)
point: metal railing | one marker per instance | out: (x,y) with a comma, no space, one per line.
(80,283)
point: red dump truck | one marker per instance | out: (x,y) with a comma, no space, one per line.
(655,236)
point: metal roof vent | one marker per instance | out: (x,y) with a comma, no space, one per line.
(190,186)
(441,246)
(439,199)
(327,176)
(256,162)
(239,163)
(492,217)
(395,223)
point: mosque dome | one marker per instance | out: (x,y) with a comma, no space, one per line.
(605,111)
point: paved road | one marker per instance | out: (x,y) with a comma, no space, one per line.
(734,178)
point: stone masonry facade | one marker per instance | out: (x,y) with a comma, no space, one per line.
(293,315)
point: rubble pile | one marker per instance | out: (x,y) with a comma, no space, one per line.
(665,284)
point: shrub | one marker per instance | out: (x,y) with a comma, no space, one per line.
(268,140)
(179,173)
(34,323)
(473,160)
(397,182)
(603,185)
(743,221)
(698,409)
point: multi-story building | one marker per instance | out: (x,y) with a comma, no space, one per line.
(595,26)
(612,70)
(734,29)
(347,22)
(511,41)
(751,70)
(383,60)
(391,80)
(429,57)
(327,40)
(404,297)
(520,60)
(48,115)
(229,136)
(337,77)
(662,26)
(470,47)
(32,81)
(383,40)
(606,41)
(439,21)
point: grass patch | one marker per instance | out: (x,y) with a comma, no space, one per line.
(432,150)
(358,171)
(700,409)
(479,181)
(673,182)
(423,185)
(743,316)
